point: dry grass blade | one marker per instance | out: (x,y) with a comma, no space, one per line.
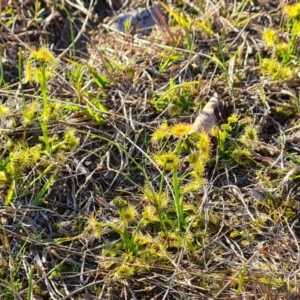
(163,21)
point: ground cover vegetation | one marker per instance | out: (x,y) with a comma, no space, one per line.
(149,164)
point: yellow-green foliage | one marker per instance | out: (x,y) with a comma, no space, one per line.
(22,158)
(29,112)
(281,50)
(249,136)
(71,141)
(160,133)
(161,212)
(241,156)
(293,10)
(128,214)
(3,110)
(180,130)
(167,160)
(204,146)
(270,37)
(94,226)
(157,199)
(279,66)
(40,65)
(193,148)
(276,69)
(124,271)
(285,110)
(149,215)
(3,177)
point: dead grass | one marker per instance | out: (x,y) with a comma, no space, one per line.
(104,224)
